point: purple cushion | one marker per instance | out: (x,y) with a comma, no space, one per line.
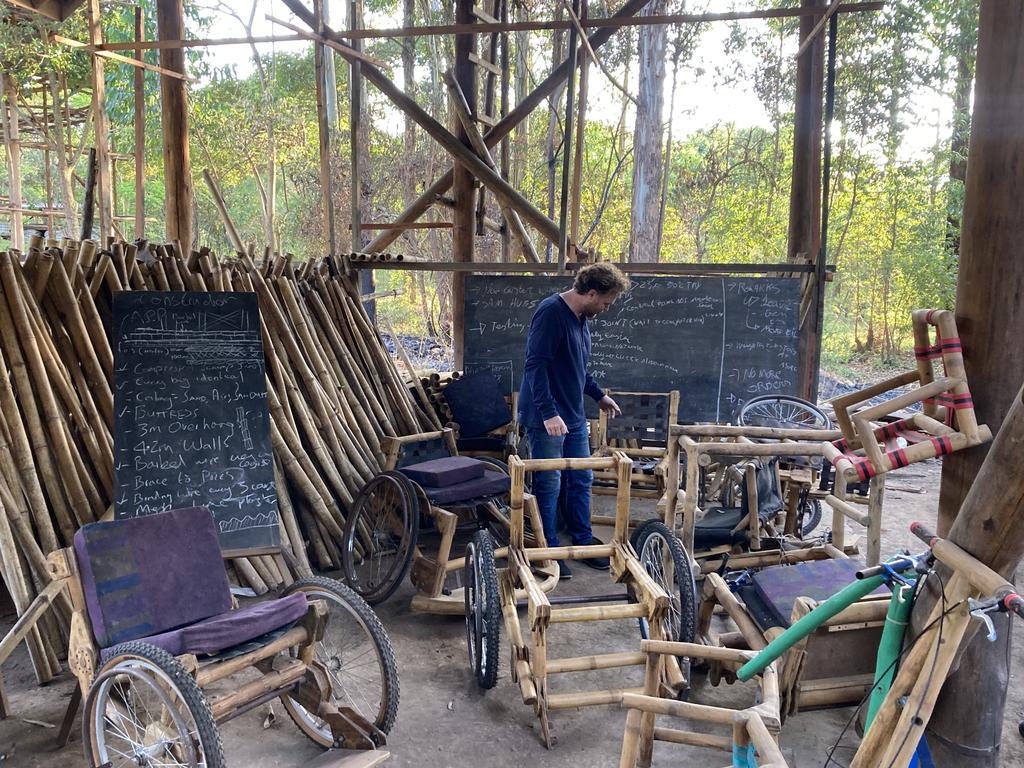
(491,484)
(779,586)
(232,628)
(146,575)
(441,473)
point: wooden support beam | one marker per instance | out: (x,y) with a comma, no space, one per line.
(463,230)
(439,133)
(458,101)
(504,126)
(805,186)
(150,45)
(982,488)
(410,225)
(12,148)
(829,13)
(628,267)
(138,63)
(486,28)
(178,190)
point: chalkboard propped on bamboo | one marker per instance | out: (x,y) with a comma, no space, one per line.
(191,423)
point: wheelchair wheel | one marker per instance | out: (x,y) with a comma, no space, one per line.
(810,516)
(145,709)
(380,536)
(665,559)
(782,411)
(483,612)
(357,657)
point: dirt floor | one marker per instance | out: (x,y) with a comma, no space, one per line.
(444,720)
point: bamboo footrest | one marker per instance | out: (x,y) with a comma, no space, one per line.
(600,661)
(598,613)
(588,698)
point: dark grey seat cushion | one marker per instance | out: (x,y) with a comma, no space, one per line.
(489,485)
(441,473)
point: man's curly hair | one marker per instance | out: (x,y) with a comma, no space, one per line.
(601,277)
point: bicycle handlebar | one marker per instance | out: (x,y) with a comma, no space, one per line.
(923,532)
(981,576)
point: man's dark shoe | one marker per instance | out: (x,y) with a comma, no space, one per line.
(564,574)
(598,563)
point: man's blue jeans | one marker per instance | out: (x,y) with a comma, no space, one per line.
(546,485)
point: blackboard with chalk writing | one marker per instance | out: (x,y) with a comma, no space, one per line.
(191,426)
(718,340)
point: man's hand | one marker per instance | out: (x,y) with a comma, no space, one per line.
(555,426)
(609,406)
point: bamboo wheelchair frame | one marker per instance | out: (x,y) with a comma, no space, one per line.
(642,484)
(701,445)
(531,666)
(430,574)
(865,451)
(289,667)
(753,730)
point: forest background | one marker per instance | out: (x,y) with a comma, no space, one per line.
(714,139)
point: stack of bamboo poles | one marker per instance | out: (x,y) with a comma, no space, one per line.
(434,386)
(377,257)
(333,393)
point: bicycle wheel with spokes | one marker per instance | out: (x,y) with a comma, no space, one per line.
(356,655)
(782,411)
(380,536)
(483,612)
(145,709)
(664,558)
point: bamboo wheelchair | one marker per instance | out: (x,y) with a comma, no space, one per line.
(660,593)
(734,502)
(428,490)
(153,625)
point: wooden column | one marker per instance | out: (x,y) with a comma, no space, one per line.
(140,130)
(170,25)
(981,500)
(462,183)
(805,186)
(13,148)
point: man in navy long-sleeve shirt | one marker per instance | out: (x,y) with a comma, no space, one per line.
(555,379)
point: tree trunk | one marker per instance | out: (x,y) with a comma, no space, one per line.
(64,169)
(521,142)
(409,136)
(553,124)
(964,58)
(990,315)
(644,231)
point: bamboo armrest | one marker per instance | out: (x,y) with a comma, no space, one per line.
(387,441)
